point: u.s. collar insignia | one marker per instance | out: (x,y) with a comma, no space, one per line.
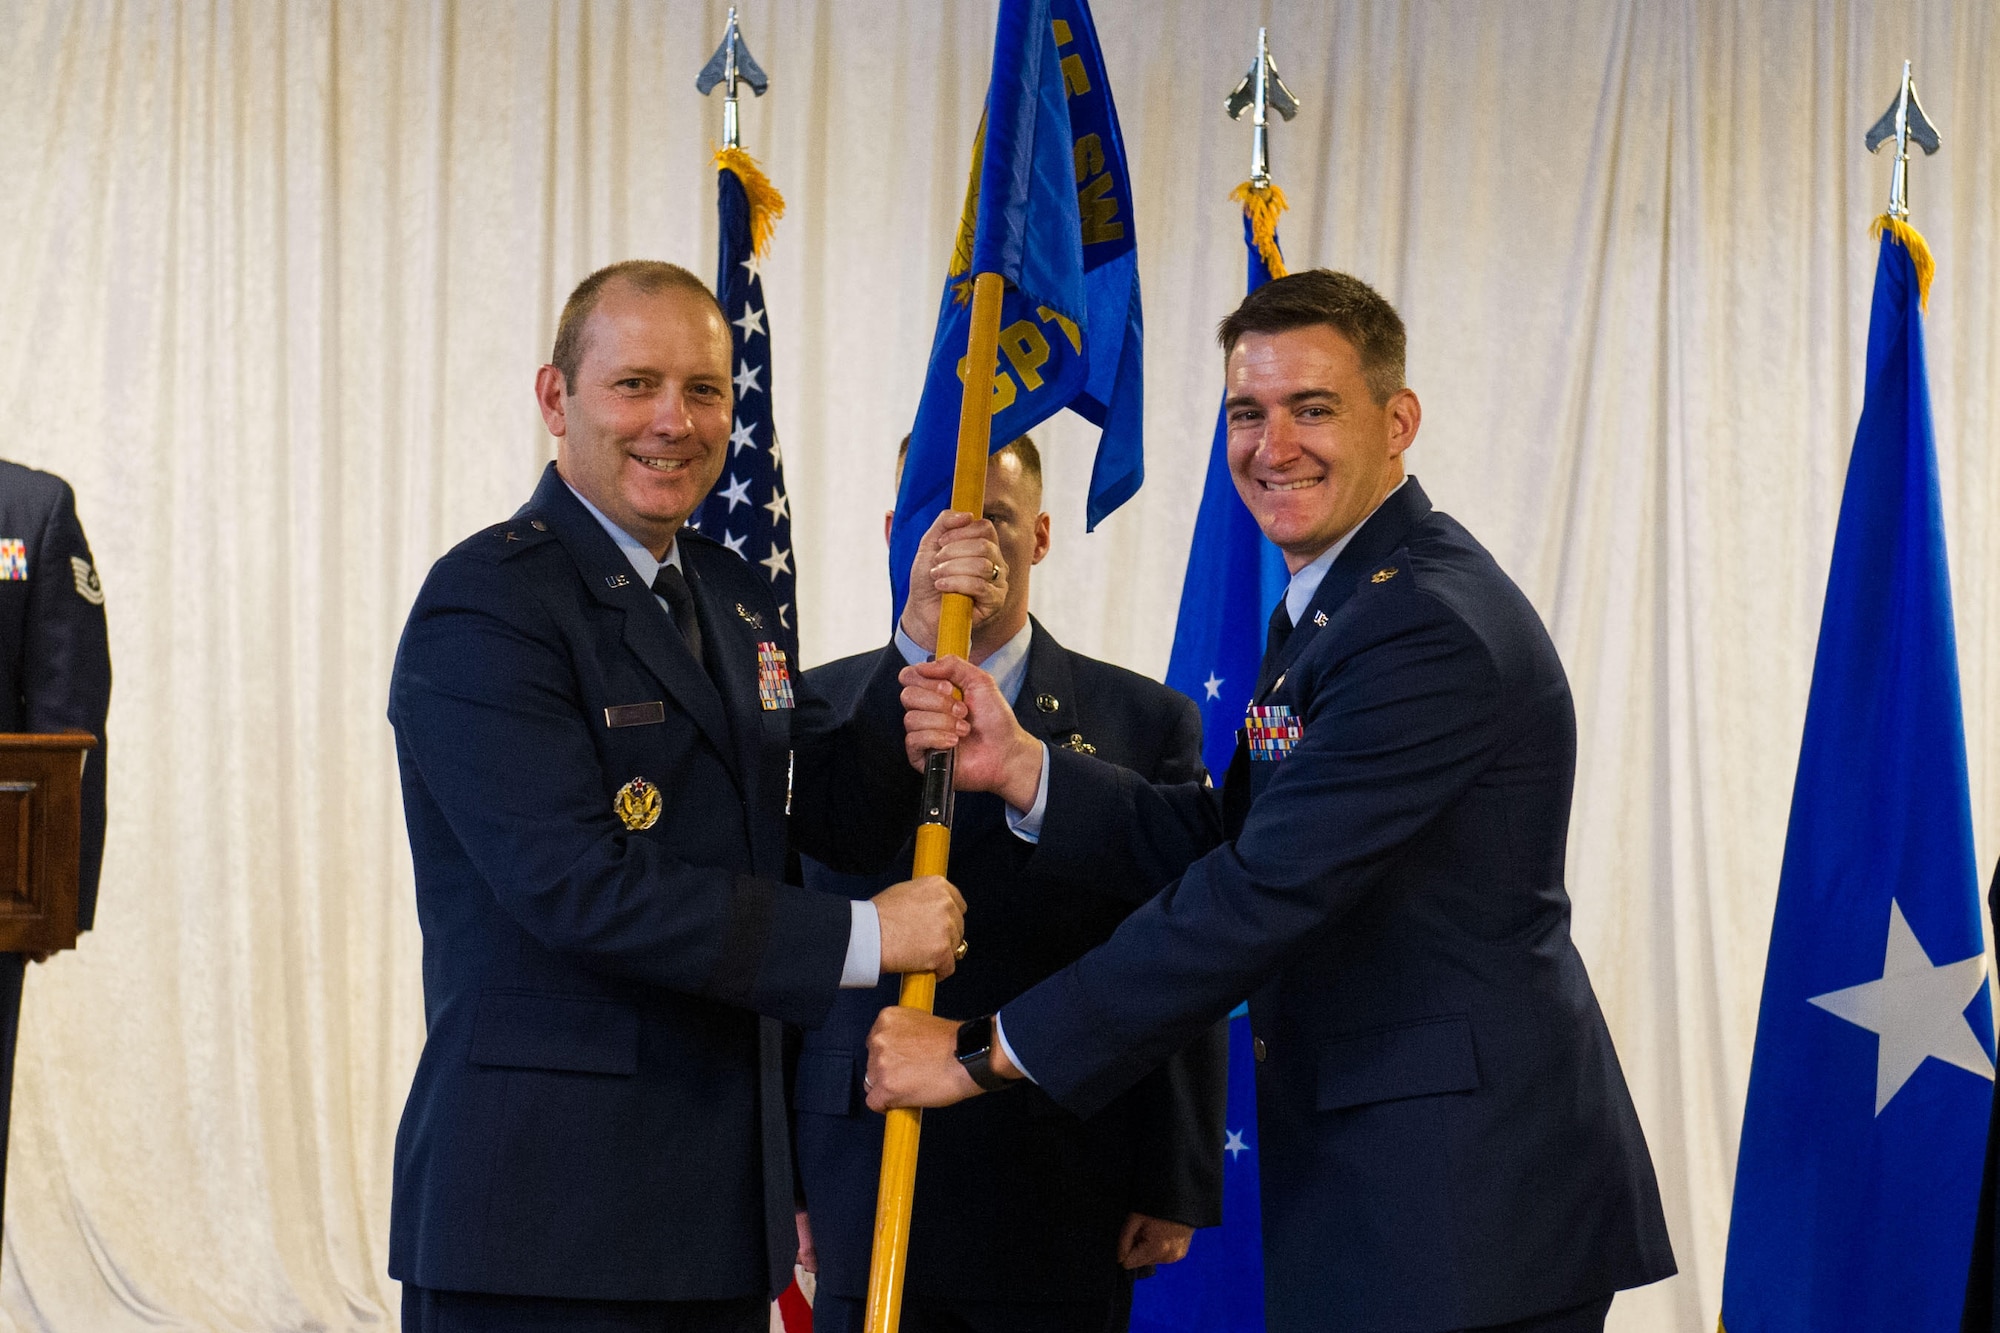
(1383,575)
(1319,619)
(754,619)
(616,580)
(637,805)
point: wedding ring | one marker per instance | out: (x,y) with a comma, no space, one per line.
(958,954)
(994,577)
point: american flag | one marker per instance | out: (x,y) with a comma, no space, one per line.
(749,511)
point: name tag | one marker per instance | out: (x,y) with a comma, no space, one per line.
(1272,730)
(635,715)
(774,677)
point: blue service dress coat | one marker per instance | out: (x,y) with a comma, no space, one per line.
(1447,1139)
(55,654)
(1018,1199)
(55,675)
(599,1109)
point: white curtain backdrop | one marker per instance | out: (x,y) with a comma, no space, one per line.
(275,279)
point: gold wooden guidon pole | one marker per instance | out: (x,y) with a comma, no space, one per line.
(933,856)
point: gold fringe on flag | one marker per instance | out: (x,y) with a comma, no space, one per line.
(1920,253)
(766,204)
(1262,207)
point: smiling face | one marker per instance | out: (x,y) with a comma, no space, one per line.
(645,427)
(1311,451)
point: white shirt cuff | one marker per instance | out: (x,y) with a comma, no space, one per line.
(1000,1035)
(907,646)
(863,967)
(1027,824)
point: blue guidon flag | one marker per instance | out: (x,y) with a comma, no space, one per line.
(1049,208)
(749,511)
(1857,1181)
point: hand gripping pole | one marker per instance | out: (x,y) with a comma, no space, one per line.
(968,495)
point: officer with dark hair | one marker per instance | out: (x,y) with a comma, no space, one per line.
(1448,1142)
(56,661)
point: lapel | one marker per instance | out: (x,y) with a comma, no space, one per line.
(648,630)
(1383,532)
(1047,706)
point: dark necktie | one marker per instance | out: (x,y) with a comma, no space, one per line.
(1275,637)
(673,586)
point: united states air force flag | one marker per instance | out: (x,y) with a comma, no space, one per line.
(1234,577)
(1858,1175)
(748,511)
(1049,208)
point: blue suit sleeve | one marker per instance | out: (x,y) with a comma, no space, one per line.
(1178,1110)
(485,706)
(66,670)
(1394,731)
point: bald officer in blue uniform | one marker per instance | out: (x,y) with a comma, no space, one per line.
(1448,1143)
(55,675)
(600,741)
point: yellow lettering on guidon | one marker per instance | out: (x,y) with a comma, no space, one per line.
(1068,326)
(1099,212)
(1027,351)
(1089,157)
(1061,29)
(1074,78)
(1003,385)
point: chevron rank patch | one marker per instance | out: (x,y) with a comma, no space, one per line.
(774,679)
(88,586)
(13,559)
(1272,730)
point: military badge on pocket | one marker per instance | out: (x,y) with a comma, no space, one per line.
(637,805)
(1272,730)
(774,679)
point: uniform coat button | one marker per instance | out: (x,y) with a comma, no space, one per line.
(1258,1049)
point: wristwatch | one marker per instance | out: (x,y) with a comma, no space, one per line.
(975,1052)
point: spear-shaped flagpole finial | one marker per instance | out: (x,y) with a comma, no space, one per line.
(1263,92)
(732,63)
(1906,123)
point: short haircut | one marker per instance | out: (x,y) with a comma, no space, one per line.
(646,276)
(1021,447)
(1342,302)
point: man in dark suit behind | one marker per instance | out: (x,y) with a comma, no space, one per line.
(1448,1141)
(600,743)
(56,660)
(1026,1219)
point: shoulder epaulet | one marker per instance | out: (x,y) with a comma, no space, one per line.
(699,538)
(505,540)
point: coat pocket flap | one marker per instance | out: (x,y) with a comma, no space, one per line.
(825,1084)
(522,1030)
(1420,1059)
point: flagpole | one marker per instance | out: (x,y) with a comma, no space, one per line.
(897,1189)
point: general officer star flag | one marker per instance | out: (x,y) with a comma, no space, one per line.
(1049,208)
(1234,577)
(1858,1174)
(749,511)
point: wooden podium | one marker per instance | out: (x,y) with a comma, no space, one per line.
(41,832)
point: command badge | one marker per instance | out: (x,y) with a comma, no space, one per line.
(754,619)
(774,679)
(1272,730)
(13,559)
(637,805)
(1383,575)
